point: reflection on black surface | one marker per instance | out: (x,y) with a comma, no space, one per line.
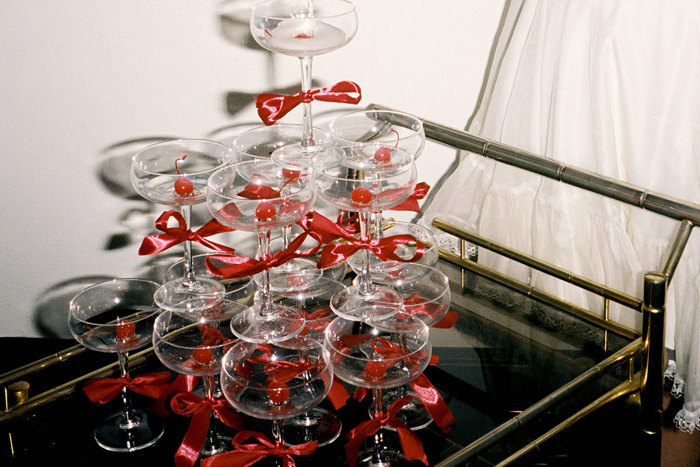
(485,382)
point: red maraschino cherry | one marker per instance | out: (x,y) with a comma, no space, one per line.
(361,195)
(265,210)
(383,154)
(278,392)
(183,185)
(125,329)
(203,355)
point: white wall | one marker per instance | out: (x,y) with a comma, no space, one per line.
(85,82)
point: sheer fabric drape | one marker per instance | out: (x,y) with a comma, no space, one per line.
(613,87)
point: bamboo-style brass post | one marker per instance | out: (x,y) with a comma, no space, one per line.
(651,391)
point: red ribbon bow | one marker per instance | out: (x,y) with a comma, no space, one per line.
(247,454)
(271,107)
(182,383)
(433,403)
(326,231)
(410,443)
(103,390)
(200,409)
(411,203)
(175,235)
(242,266)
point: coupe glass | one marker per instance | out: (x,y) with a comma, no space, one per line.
(275,382)
(365,184)
(317,424)
(117,316)
(255,196)
(304,29)
(387,127)
(175,173)
(426,295)
(389,353)
(261,143)
(194,344)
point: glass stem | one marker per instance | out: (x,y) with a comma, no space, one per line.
(128,420)
(266,296)
(189,278)
(212,442)
(365,279)
(377,410)
(378,223)
(307,139)
(278,438)
(286,236)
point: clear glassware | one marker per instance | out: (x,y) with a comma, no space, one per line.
(304,29)
(384,272)
(426,295)
(260,143)
(116,316)
(278,381)
(175,173)
(364,183)
(240,290)
(194,344)
(387,127)
(255,196)
(316,424)
(385,354)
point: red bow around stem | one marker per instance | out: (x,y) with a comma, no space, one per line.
(172,236)
(182,383)
(103,390)
(242,266)
(271,107)
(200,409)
(247,454)
(411,203)
(326,231)
(410,443)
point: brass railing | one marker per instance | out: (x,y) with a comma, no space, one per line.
(648,383)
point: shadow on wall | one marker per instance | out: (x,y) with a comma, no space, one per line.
(137,219)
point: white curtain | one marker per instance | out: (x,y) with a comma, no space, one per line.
(613,87)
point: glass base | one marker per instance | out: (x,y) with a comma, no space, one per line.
(216,443)
(388,272)
(279,324)
(380,303)
(110,435)
(319,156)
(316,425)
(383,457)
(414,414)
(178,296)
(294,275)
